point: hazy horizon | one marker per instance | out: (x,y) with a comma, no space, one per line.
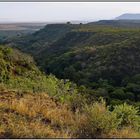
(12,12)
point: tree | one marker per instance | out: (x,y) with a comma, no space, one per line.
(68,22)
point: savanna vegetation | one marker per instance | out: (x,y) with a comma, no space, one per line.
(81,81)
(102,57)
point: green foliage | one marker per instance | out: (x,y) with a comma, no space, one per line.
(19,72)
(118,94)
(98,121)
(97,56)
(128,115)
(99,60)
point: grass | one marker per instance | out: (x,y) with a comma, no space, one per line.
(38,115)
(33,116)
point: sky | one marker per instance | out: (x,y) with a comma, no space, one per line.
(64,11)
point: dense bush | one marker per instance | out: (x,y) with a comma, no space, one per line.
(99,57)
(98,122)
(128,116)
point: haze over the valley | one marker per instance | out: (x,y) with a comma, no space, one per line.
(64,11)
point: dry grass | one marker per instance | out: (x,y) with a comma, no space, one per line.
(33,116)
(124,133)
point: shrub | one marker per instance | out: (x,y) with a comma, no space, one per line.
(128,116)
(118,94)
(96,122)
(77,102)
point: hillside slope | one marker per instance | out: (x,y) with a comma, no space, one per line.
(18,70)
(120,22)
(41,39)
(86,51)
(32,103)
(101,58)
(31,115)
(36,105)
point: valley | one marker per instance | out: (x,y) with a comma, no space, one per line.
(62,77)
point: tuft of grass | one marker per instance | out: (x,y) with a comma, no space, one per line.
(126,132)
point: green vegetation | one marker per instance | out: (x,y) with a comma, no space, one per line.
(99,57)
(41,39)
(32,115)
(99,122)
(91,61)
(19,72)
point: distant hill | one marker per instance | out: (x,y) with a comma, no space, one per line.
(128,17)
(14,30)
(124,20)
(21,26)
(118,23)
